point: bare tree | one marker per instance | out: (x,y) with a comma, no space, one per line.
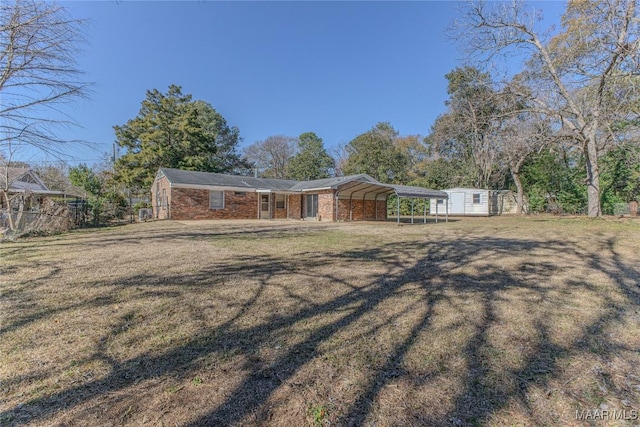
(38,46)
(271,156)
(55,176)
(520,133)
(340,154)
(584,76)
(464,133)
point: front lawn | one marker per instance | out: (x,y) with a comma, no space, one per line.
(480,321)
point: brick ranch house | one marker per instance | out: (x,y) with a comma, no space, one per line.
(187,195)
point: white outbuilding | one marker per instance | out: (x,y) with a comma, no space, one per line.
(473,202)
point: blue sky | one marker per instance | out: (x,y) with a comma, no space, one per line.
(270,68)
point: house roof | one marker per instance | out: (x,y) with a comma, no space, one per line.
(178,176)
(21,180)
(364,185)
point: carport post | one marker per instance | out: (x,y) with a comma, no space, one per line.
(412,201)
(425,209)
(436,211)
(398,198)
(375,202)
(446,215)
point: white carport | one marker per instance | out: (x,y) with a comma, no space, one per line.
(419,193)
(367,190)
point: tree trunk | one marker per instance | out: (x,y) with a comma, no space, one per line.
(593,179)
(5,194)
(520,192)
(21,203)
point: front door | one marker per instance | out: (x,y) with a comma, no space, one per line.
(265,206)
(311,206)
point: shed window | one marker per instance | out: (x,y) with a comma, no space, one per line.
(440,201)
(164,198)
(477,198)
(241,193)
(279,201)
(216,199)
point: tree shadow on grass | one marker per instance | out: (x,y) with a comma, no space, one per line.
(434,269)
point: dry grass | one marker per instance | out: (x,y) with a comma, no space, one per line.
(492,321)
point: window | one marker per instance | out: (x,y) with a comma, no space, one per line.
(164,198)
(440,201)
(279,201)
(241,193)
(476,198)
(216,199)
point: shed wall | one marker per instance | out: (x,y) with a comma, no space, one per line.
(468,208)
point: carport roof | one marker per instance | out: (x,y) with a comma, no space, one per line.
(372,190)
(419,192)
(331,183)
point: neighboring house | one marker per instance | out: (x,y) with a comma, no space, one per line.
(24,181)
(475,202)
(25,192)
(182,195)
(21,182)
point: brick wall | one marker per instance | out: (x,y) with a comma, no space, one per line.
(343,210)
(295,206)
(326,205)
(183,204)
(188,203)
(278,213)
(161,198)
(382,209)
(356,210)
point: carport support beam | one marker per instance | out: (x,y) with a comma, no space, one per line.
(425,209)
(446,212)
(375,203)
(436,211)
(413,199)
(398,200)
